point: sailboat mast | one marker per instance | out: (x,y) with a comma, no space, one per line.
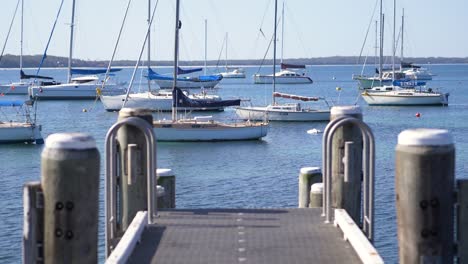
(402,36)
(381,43)
(149,43)
(376,45)
(274,53)
(282,33)
(206,43)
(70,55)
(226,50)
(394,41)
(21,38)
(178,24)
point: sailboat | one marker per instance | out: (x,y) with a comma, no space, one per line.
(396,95)
(412,71)
(283,112)
(82,87)
(19,131)
(288,73)
(383,77)
(161,100)
(187,82)
(20,87)
(203,128)
(231,71)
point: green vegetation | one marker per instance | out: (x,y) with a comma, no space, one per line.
(12,61)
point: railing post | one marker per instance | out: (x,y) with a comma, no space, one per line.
(132,150)
(424,185)
(70,184)
(307,177)
(346,193)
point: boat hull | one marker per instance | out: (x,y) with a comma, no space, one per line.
(368,83)
(68,91)
(208,131)
(262,113)
(268,79)
(143,100)
(186,84)
(20,133)
(232,75)
(14,88)
(402,100)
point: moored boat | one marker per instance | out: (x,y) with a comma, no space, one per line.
(19,131)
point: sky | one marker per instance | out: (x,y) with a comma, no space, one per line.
(312,28)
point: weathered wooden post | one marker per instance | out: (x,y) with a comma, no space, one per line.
(133,182)
(462,221)
(316,195)
(346,173)
(307,177)
(424,185)
(70,184)
(33,229)
(166,179)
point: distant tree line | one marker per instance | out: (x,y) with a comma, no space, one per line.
(32,61)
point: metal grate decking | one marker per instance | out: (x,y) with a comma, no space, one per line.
(242,236)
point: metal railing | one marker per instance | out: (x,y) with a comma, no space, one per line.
(111,175)
(368,171)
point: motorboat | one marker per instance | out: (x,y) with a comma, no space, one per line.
(233,72)
(283,77)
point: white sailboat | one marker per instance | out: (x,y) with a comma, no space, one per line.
(201,128)
(21,86)
(231,71)
(83,87)
(160,100)
(283,112)
(19,131)
(157,101)
(395,95)
(288,74)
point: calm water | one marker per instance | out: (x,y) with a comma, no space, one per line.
(243,174)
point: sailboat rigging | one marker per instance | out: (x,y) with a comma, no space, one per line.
(83,87)
(20,87)
(287,75)
(396,94)
(231,71)
(200,128)
(282,112)
(159,100)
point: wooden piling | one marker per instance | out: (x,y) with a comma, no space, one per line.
(346,193)
(70,183)
(316,195)
(133,182)
(424,185)
(307,177)
(462,221)
(166,179)
(33,229)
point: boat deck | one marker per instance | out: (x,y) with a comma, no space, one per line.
(242,236)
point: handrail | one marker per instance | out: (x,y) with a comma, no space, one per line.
(368,170)
(111,174)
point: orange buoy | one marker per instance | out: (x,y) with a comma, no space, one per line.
(418,114)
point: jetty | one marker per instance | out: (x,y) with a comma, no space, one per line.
(334,221)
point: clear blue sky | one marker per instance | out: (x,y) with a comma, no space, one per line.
(312,28)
